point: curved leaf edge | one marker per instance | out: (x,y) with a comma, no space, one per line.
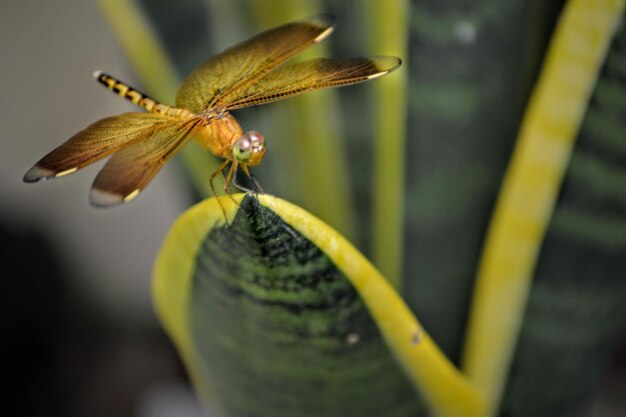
(447,392)
(533,180)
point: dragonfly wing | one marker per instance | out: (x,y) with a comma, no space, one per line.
(97,141)
(130,170)
(229,73)
(312,75)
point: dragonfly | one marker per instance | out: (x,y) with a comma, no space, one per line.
(139,144)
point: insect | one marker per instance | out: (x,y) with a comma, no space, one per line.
(246,74)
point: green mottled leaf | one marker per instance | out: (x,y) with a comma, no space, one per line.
(276,314)
(276,329)
(282,332)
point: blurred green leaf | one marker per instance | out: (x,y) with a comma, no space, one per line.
(388,35)
(471,68)
(527,199)
(576,308)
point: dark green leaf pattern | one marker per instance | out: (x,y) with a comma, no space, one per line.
(281,332)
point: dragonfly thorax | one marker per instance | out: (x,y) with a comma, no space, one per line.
(224,138)
(218,134)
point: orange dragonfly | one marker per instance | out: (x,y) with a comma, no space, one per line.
(244,75)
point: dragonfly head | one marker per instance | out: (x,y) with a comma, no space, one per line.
(249,148)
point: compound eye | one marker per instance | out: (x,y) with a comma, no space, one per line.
(242,148)
(255,137)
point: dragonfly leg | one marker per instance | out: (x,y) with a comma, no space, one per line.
(229,180)
(240,186)
(257,187)
(243,187)
(220,170)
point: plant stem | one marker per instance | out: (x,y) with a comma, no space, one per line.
(387,23)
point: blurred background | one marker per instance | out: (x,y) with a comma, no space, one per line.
(79,334)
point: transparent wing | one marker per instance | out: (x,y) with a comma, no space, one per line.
(312,75)
(130,170)
(229,73)
(97,141)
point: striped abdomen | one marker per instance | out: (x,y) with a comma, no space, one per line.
(137,97)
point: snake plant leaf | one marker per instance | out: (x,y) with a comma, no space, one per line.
(575,313)
(471,68)
(275,314)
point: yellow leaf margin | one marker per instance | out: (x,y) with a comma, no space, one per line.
(530,188)
(445,389)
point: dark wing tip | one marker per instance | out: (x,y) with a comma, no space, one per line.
(101,198)
(38,173)
(387,64)
(325,20)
